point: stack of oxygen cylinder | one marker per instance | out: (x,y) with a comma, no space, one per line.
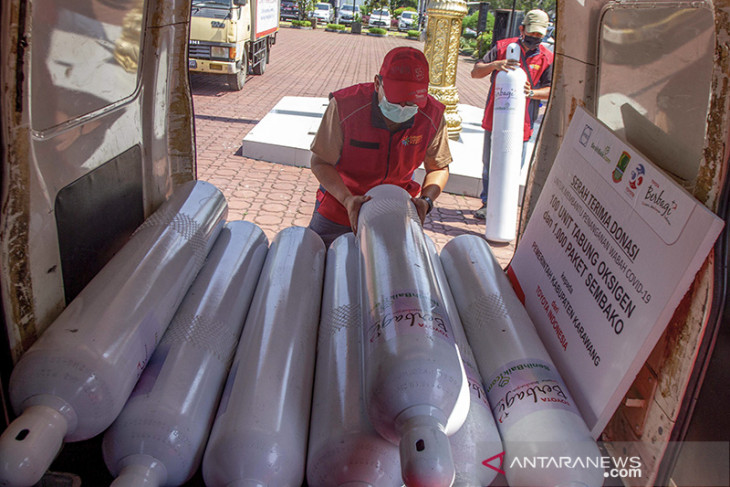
(199,346)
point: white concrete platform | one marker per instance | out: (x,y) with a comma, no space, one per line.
(284,135)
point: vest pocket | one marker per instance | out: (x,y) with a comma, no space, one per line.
(364,144)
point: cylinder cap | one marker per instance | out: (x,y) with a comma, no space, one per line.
(513,52)
(425,454)
(29,445)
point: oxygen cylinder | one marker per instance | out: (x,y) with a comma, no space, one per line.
(477,446)
(416,390)
(535,414)
(73,382)
(344,449)
(259,437)
(508,128)
(159,437)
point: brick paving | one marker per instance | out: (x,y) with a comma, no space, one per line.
(306,63)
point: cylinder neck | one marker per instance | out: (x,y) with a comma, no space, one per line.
(246,483)
(140,471)
(54,402)
(422,414)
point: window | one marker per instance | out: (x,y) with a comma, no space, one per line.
(654,78)
(83,62)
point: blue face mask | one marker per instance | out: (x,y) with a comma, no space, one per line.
(394,112)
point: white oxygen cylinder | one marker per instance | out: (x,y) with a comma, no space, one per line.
(73,382)
(259,437)
(535,414)
(344,449)
(508,128)
(416,390)
(477,446)
(160,435)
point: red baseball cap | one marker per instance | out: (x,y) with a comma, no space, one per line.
(405,76)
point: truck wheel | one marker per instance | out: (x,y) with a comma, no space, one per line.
(237,80)
(261,66)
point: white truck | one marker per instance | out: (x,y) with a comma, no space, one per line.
(229,37)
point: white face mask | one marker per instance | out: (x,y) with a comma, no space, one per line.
(394,112)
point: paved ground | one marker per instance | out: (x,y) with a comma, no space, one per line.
(306,63)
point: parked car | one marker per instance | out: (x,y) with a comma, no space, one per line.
(408,21)
(323,12)
(380,18)
(288,10)
(347,14)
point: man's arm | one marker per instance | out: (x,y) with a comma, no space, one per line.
(541,93)
(544,83)
(332,182)
(326,150)
(483,69)
(436,164)
(433,183)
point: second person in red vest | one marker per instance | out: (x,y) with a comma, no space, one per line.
(537,62)
(379,133)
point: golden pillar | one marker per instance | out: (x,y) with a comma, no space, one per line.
(442,51)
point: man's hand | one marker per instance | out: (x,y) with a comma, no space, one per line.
(421,208)
(528,88)
(352,204)
(482,69)
(506,65)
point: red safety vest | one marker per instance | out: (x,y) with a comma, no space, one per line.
(536,65)
(372,154)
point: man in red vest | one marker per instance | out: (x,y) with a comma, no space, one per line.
(537,62)
(379,133)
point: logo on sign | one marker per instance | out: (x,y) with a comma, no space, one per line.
(586,135)
(602,152)
(637,176)
(623,162)
(655,199)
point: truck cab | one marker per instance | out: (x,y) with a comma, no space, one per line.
(231,37)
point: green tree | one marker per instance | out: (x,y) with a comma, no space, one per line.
(305,7)
(526,5)
(375,4)
(400,10)
(397,4)
(471,20)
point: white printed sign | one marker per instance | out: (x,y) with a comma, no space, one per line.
(611,248)
(267,17)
